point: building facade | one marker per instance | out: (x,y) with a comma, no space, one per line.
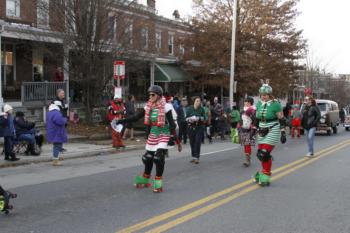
(33,48)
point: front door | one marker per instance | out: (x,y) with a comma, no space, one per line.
(8,76)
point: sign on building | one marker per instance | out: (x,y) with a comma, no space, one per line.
(119,70)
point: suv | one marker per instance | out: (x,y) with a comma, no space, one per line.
(329,116)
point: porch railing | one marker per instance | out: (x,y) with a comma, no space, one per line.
(41,92)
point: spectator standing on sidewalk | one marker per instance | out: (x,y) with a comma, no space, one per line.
(235,117)
(181,120)
(116,111)
(207,130)
(130,111)
(56,130)
(310,117)
(196,119)
(7,130)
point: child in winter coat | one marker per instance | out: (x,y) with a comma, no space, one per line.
(7,130)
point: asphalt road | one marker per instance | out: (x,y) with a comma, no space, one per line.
(94,195)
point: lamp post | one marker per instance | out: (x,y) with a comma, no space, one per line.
(233,44)
(1,99)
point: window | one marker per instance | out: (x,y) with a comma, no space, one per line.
(13,8)
(112,25)
(128,33)
(43,13)
(144,38)
(171,44)
(182,50)
(158,40)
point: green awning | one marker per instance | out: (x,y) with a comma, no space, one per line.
(170,73)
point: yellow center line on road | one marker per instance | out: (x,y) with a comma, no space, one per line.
(230,198)
(211,197)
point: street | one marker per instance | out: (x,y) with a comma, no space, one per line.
(96,194)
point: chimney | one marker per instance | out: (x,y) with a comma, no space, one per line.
(176,14)
(151,4)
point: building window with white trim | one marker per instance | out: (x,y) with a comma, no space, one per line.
(158,40)
(128,33)
(171,44)
(13,8)
(112,25)
(43,13)
(182,50)
(144,38)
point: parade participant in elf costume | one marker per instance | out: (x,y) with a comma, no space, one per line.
(271,130)
(247,129)
(158,115)
(116,111)
(5,197)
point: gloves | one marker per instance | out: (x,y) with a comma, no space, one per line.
(283,137)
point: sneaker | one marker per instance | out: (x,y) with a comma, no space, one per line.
(56,162)
(309,155)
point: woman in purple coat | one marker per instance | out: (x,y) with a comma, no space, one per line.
(56,130)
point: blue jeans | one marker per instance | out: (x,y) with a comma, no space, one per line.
(310,135)
(57,148)
(30,138)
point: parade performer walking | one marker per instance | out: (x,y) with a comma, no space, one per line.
(158,115)
(247,129)
(271,130)
(196,121)
(116,111)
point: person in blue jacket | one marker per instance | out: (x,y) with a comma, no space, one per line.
(56,130)
(7,130)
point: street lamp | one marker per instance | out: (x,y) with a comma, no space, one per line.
(1,30)
(233,44)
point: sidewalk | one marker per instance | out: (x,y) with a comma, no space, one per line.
(74,150)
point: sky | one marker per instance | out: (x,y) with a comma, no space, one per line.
(325,25)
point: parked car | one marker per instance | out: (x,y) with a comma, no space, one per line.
(347,120)
(329,116)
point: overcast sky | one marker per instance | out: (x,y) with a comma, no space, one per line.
(325,24)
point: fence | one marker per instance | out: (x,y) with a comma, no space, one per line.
(41,92)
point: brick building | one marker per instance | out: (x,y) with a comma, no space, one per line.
(32,48)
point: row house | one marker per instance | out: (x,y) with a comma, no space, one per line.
(34,55)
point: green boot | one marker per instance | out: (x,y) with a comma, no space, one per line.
(264,180)
(256,177)
(157,185)
(2,203)
(141,182)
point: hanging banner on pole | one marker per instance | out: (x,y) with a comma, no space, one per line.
(118,92)
(119,70)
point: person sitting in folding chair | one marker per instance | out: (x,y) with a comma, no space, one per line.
(25,131)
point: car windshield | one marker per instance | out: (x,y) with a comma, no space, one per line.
(322,106)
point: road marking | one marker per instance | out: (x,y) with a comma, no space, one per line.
(247,190)
(218,151)
(211,197)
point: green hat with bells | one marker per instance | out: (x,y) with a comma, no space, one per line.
(265,88)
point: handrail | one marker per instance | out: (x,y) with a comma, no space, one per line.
(41,91)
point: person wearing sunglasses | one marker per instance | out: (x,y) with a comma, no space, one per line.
(158,116)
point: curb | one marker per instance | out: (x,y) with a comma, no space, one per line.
(66,156)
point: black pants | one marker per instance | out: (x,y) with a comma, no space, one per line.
(8,146)
(183,131)
(158,158)
(195,135)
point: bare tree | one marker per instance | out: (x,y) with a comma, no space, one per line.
(95,32)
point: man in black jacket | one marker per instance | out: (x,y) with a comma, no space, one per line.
(25,132)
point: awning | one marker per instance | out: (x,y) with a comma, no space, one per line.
(170,73)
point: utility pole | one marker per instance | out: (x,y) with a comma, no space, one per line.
(233,45)
(1,99)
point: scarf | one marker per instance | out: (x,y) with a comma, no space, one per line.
(160,105)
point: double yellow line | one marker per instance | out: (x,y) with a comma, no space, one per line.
(282,171)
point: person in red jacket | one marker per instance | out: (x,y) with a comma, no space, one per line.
(116,111)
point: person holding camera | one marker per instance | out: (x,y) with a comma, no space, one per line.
(271,130)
